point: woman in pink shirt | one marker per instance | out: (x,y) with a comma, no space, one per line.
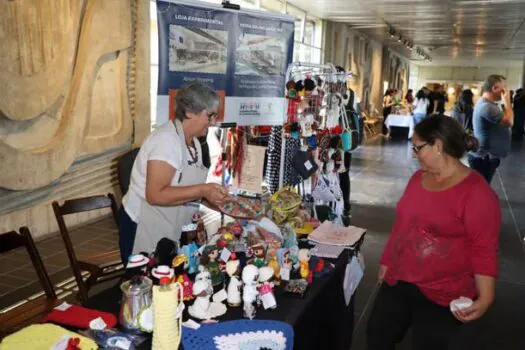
(443,245)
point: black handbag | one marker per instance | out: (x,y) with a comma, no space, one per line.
(304,164)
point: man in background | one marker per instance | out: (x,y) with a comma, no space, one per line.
(492,127)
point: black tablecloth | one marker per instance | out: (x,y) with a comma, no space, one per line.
(321,320)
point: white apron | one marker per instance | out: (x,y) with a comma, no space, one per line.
(157,222)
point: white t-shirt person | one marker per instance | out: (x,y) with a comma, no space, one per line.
(421,105)
(163,144)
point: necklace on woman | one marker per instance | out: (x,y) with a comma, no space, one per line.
(194,155)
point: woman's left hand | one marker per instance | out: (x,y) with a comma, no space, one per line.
(475,311)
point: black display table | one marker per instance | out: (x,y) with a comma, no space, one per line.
(321,320)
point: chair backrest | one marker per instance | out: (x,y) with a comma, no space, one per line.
(79,205)
(124,167)
(12,240)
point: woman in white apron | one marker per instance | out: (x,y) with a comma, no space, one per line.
(168,177)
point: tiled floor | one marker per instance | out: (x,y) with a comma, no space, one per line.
(18,278)
(380,171)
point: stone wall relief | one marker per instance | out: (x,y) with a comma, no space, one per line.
(67,66)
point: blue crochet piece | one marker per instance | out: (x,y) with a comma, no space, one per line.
(202,338)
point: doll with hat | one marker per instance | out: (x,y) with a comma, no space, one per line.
(137,265)
(189,246)
(204,275)
(259,254)
(235,285)
(209,261)
(202,235)
(304,258)
(266,288)
(161,271)
(180,265)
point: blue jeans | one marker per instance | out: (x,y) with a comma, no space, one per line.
(418,117)
(127,230)
(485,166)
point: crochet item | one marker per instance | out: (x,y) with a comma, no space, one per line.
(79,317)
(240,334)
(167,326)
(44,337)
(251,341)
(241,208)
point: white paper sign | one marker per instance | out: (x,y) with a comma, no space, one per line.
(220,296)
(201,249)
(353,275)
(251,169)
(268,300)
(63,307)
(308,165)
(97,324)
(225,255)
(285,274)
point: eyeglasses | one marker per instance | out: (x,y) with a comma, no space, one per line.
(212,116)
(417,148)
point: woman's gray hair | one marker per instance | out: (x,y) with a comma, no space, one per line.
(195,97)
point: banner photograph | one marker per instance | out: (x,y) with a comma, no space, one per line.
(242,54)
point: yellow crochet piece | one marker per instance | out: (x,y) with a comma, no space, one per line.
(167,329)
(42,337)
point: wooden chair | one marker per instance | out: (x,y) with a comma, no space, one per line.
(103,266)
(34,309)
(124,167)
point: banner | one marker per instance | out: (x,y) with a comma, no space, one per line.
(242,55)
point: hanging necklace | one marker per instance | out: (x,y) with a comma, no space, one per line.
(194,155)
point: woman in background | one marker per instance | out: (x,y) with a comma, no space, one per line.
(388,104)
(409,97)
(462,111)
(420,107)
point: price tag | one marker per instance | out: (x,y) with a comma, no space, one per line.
(123,343)
(268,301)
(63,307)
(285,274)
(191,324)
(220,296)
(180,310)
(308,165)
(225,255)
(97,324)
(62,343)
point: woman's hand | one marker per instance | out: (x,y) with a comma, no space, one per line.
(382,272)
(475,311)
(214,194)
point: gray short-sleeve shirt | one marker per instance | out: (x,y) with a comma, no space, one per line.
(494,139)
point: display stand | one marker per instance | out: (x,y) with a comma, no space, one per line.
(324,71)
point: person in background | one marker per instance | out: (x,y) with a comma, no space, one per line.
(430,98)
(443,245)
(512,97)
(168,176)
(491,127)
(439,99)
(388,104)
(462,111)
(519,115)
(420,106)
(409,97)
